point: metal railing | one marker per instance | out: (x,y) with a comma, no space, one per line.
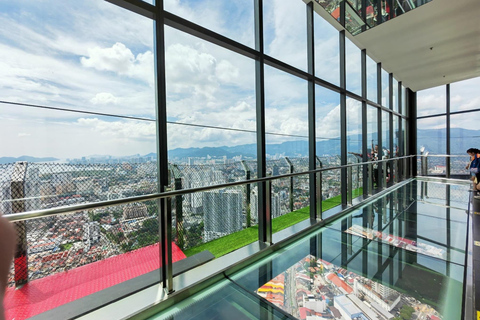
(89,225)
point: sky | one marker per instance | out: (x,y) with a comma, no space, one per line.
(93,56)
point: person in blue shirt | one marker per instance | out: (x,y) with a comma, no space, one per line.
(474,167)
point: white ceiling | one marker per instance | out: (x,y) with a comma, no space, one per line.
(435,44)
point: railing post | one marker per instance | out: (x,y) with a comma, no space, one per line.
(426,165)
(319,196)
(291,170)
(165,226)
(395,171)
(247,195)
(370,179)
(384,174)
(17,189)
(179,215)
(349,185)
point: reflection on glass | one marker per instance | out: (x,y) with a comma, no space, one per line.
(353,67)
(327,48)
(431,101)
(285,31)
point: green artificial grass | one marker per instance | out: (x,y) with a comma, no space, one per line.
(234,241)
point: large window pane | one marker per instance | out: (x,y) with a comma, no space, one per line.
(372,80)
(327,111)
(464,95)
(404,101)
(354,143)
(395,95)
(385,89)
(77,85)
(286,114)
(431,139)
(396,137)
(353,67)
(372,129)
(327,48)
(385,134)
(431,101)
(463,136)
(233,19)
(211,128)
(285,31)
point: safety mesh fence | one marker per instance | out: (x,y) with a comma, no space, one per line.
(59,243)
(437,165)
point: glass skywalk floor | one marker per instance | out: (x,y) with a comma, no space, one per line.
(401,254)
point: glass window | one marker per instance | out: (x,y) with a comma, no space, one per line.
(327,111)
(233,19)
(395,95)
(396,136)
(211,128)
(404,101)
(354,143)
(463,136)
(286,126)
(353,67)
(464,95)
(372,129)
(386,150)
(431,101)
(385,89)
(285,31)
(372,80)
(327,48)
(61,62)
(431,140)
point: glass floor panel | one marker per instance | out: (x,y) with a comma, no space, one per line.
(224,300)
(395,255)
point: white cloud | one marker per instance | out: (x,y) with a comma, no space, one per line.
(121,60)
(104,98)
(120,129)
(23,134)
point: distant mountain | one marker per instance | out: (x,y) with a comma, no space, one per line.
(4,160)
(434,140)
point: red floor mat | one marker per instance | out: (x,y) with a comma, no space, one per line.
(50,292)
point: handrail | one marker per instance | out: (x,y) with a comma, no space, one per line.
(167,194)
(441,155)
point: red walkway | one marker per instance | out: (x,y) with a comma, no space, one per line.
(50,292)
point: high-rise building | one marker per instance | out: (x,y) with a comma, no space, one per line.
(223,212)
